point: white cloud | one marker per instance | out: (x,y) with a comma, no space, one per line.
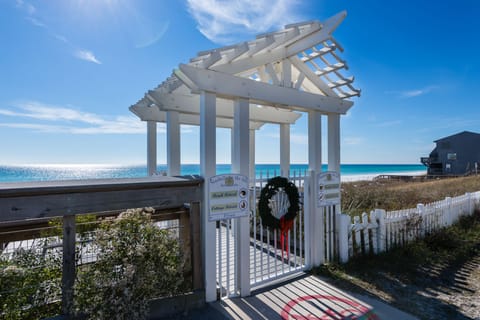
(390,123)
(32,17)
(87,56)
(36,22)
(29,8)
(221,20)
(352,141)
(72,121)
(414,92)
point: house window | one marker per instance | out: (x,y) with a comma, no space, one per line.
(451,156)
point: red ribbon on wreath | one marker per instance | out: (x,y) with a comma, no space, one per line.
(270,217)
(285,226)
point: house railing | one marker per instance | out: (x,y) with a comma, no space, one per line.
(381,231)
(26,209)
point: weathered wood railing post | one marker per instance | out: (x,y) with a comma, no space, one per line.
(185,240)
(196,245)
(68,266)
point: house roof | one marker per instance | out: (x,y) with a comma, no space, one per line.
(298,68)
(463,133)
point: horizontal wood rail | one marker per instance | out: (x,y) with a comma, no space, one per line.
(25,209)
(21,201)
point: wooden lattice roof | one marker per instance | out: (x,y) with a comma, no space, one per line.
(297,68)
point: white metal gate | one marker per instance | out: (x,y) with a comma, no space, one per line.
(268,260)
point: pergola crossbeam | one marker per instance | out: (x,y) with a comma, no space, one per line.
(189,104)
(155,114)
(229,86)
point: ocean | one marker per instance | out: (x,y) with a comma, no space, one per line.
(349,172)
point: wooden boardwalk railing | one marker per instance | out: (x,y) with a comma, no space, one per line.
(32,204)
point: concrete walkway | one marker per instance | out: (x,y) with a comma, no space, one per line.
(306,297)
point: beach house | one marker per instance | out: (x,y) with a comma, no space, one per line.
(458,154)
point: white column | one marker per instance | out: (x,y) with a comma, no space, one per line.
(207,170)
(232,149)
(241,165)
(151,147)
(173,143)
(313,214)
(315,141)
(285,128)
(334,142)
(252,153)
(284,149)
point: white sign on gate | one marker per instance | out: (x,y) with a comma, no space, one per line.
(328,188)
(228,197)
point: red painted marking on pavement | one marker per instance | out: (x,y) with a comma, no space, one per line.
(352,310)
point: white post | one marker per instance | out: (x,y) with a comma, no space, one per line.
(334,142)
(470,206)
(317,230)
(151,147)
(284,149)
(421,213)
(448,218)
(241,165)
(173,143)
(334,152)
(252,154)
(232,149)
(315,141)
(207,170)
(373,223)
(382,230)
(343,222)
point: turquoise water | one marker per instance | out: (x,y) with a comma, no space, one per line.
(69,172)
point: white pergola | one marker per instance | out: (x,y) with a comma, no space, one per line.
(242,87)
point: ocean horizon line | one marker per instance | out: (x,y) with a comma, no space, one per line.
(189,163)
(24,173)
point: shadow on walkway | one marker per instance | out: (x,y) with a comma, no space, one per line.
(306,297)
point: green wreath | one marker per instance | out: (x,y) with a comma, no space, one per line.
(273,186)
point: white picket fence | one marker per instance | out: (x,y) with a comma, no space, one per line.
(380,230)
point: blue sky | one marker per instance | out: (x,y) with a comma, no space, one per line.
(70,70)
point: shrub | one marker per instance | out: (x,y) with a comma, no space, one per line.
(30,283)
(136,261)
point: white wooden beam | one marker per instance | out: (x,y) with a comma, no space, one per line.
(315,141)
(286,73)
(273,75)
(315,215)
(173,143)
(226,85)
(241,165)
(188,103)
(207,170)
(314,36)
(334,142)
(310,75)
(151,147)
(299,81)
(155,114)
(252,154)
(284,149)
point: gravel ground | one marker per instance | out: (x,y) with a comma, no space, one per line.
(437,292)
